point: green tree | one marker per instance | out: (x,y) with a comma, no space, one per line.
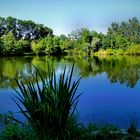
(81,36)
(12,46)
(11,25)
(49,43)
(62,41)
(2,26)
(121,42)
(39,46)
(8,43)
(85,36)
(123,34)
(26,29)
(55,42)
(1,44)
(114,27)
(95,44)
(134,30)
(21,46)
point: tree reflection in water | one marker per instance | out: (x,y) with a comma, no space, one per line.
(122,69)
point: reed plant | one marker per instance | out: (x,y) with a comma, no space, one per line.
(49,103)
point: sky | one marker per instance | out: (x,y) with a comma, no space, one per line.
(63,16)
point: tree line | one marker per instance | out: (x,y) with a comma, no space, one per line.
(25,36)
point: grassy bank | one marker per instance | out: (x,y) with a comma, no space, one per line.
(12,130)
(131,50)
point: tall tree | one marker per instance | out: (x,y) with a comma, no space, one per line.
(8,43)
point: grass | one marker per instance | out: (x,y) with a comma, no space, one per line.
(12,130)
(15,131)
(50,103)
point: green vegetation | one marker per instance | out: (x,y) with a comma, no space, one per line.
(119,69)
(21,37)
(120,39)
(50,111)
(50,107)
(133,49)
(11,45)
(13,130)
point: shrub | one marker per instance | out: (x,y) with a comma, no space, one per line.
(38,47)
(120,52)
(51,105)
(110,51)
(133,50)
(11,130)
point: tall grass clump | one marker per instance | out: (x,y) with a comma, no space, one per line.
(49,103)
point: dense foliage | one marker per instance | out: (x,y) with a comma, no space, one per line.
(16,35)
(25,29)
(20,37)
(13,131)
(119,69)
(120,36)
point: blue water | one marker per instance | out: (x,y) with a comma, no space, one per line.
(102,101)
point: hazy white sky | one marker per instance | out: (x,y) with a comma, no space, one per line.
(65,15)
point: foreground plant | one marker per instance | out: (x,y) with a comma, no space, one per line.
(50,103)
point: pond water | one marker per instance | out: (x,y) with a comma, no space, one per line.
(111,85)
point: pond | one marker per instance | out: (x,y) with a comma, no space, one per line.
(110,85)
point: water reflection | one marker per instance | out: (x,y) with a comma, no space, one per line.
(110,84)
(124,70)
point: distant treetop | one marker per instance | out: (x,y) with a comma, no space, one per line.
(25,29)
